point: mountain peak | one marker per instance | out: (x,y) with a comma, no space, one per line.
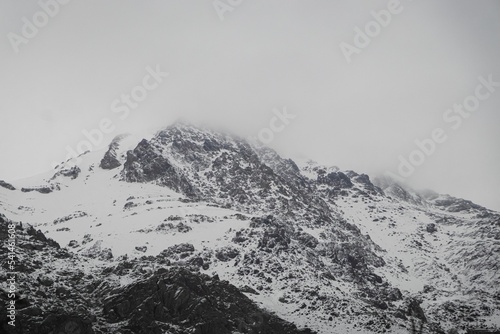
(316,244)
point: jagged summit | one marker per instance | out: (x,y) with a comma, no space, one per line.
(180,155)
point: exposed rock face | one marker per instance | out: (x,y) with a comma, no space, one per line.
(179,251)
(335,179)
(43,305)
(172,300)
(98,252)
(454,204)
(285,168)
(220,168)
(431,228)
(415,310)
(6,185)
(41,190)
(110,159)
(197,303)
(146,163)
(367,184)
(37,235)
(226,254)
(71,172)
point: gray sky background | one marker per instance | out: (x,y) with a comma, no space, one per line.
(263,55)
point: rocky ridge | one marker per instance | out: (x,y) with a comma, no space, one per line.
(320,247)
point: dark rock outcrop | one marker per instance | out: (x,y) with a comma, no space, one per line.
(197,303)
(431,228)
(41,190)
(415,310)
(146,163)
(6,185)
(335,179)
(72,173)
(110,159)
(174,300)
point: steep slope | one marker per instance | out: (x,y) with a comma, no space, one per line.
(322,248)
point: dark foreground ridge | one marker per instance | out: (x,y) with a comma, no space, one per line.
(174,300)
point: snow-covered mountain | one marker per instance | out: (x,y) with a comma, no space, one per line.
(309,247)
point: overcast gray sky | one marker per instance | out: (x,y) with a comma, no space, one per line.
(232,73)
